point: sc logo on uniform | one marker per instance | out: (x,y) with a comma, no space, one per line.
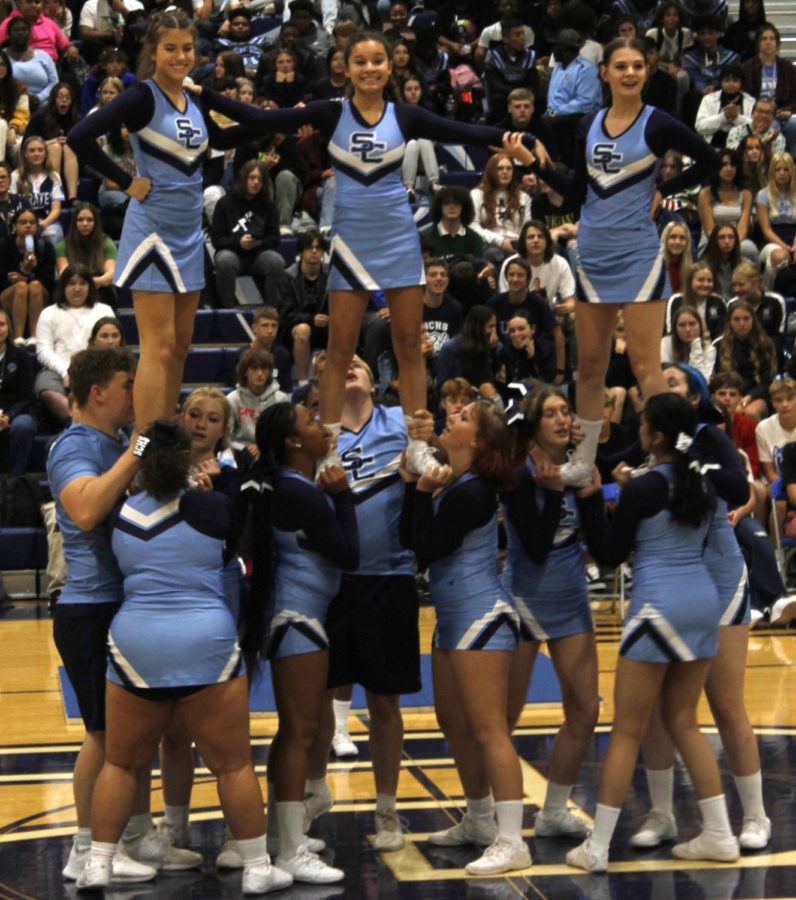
(604,156)
(188,134)
(364,145)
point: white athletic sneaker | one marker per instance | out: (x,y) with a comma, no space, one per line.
(465,832)
(314,845)
(180,836)
(576,474)
(755,832)
(783,611)
(228,856)
(656,828)
(561,823)
(330,458)
(156,849)
(309,867)
(500,856)
(125,869)
(342,745)
(316,805)
(389,831)
(96,874)
(585,856)
(76,862)
(705,846)
(757,618)
(418,456)
(264,878)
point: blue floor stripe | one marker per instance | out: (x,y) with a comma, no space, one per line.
(544,688)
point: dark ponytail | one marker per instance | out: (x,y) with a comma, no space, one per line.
(675,418)
(275,423)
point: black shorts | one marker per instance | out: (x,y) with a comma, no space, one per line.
(374,639)
(80,631)
(159,694)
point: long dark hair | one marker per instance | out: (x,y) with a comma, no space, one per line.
(91,247)
(275,425)
(53,124)
(715,179)
(239,188)
(690,502)
(712,254)
(472,343)
(11,89)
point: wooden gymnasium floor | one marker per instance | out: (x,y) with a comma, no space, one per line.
(37,751)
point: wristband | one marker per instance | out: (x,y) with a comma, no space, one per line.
(140,446)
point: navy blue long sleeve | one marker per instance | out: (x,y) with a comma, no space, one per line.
(332,533)
(133,108)
(463,508)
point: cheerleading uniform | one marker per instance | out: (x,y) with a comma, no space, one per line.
(455,536)
(162,248)
(315,537)
(375,243)
(620,255)
(544,574)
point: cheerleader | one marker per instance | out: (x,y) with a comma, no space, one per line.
(450,519)
(724,686)
(545,577)
(621,263)
(172,646)
(161,254)
(313,531)
(671,631)
(367,137)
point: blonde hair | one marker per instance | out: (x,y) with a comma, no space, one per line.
(773,191)
(747,269)
(782,386)
(24,170)
(686,259)
(211,393)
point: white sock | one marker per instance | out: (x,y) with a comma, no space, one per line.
(177,815)
(99,850)
(605,818)
(750,790)
(715,820)
(509,820)
(555,800)
(481,810)
(660,783)
(385,803)
(291,827)
(83,836)
(252,851)
(138,826)
(586,451)
(341,709)
(318,787)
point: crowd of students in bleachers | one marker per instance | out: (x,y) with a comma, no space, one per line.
(498,304)
(503,245)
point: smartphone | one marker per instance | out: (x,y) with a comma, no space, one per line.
(28,243)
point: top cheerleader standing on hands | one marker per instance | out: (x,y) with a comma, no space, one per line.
(375,244)
(161,254)
(620,259)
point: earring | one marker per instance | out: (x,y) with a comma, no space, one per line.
(298,445)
